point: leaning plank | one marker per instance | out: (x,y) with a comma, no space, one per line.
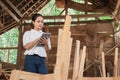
(76,60)
(82,62)
(115,73)
(22,75)
(66,60)
(63,51)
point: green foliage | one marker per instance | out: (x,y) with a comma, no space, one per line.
(50,9)
(9,39)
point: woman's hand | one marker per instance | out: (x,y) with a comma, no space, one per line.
(44,40)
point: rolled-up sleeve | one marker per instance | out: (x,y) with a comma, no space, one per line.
(26,37)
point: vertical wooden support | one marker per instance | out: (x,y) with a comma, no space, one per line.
(119,64)
(76,60)
(82,62)
(115,73)
(63,51)
(0,69)
(98,68)
(101,48)
(103,65)
(19,48)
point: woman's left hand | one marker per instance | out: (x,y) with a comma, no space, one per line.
(44,41)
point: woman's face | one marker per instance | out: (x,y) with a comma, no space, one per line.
(38,23)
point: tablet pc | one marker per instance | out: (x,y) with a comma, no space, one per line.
(46,35)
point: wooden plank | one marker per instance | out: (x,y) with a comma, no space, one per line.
(22,75)
(76,60)
(100,48)
(18,75)
(115,73)
(63,52)
(82,62)
(66,60)
(57,71)
(103,65)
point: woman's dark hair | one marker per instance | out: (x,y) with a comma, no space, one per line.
(35,16)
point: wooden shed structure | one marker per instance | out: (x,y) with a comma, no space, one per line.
(98,35)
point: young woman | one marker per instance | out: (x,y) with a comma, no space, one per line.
(35,53)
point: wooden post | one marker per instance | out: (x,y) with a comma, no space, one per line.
(76,60)
(19,52)
(101,48)
(0,69)
(103,65)
(82,62)
(115,73)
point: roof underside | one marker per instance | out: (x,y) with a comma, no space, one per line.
(12,11)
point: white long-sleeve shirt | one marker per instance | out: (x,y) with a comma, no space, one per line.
(30,36)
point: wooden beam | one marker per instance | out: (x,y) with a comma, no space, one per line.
(20,48)
(1,24)
(103,65)
(60,3)
(63,52)
(115,73)
(76,60)
(116,8)
(100,48)
(73,16)
(14,7)
(8,48)
(11,13)
(0,68)
(116,11)
(90,8)
(75,22)
(82,63)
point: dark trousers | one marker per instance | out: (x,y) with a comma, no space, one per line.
(35,64)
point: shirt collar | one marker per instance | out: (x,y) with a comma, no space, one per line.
(36,31)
